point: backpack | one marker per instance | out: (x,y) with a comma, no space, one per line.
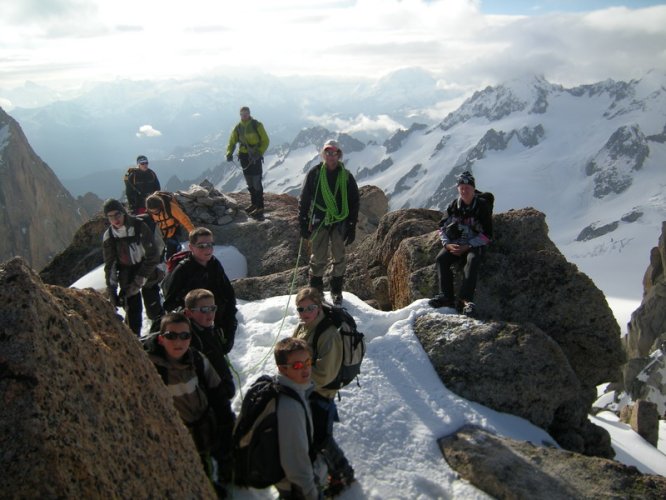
(353,344)
(256,450)
(173,261)
(167,198)
(488,197)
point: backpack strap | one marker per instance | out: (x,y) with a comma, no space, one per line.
(319,329)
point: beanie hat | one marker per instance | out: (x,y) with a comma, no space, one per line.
(331,144)
(466,178)
(141,159)
(245,109)
(112,205)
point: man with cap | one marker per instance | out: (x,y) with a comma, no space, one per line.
(327,213)
(140,182)
(131,256)
(465,231)
(253,139)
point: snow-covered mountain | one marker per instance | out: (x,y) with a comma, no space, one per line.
(187,123)
(592,158)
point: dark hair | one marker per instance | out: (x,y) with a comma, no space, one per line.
(309,293)
(171,318)
(155,201)
(287,346)
(112,205)
(194,296)
(199,231)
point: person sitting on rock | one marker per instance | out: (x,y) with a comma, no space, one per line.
(170,218)
(131,258)
(198,394)
(465,231)
(201,269)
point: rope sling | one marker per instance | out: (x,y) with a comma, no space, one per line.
(333,213)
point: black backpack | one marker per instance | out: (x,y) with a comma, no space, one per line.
(488,197)
(256,448)
(353,344)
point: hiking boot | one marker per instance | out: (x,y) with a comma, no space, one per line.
(441,301)
(257,212)
(317,282)
(337,299)
(338,481)
(250,208)
(468,309)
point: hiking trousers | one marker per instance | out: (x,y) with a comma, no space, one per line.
(325,237)
(470,261)
(324,413)
(252,171)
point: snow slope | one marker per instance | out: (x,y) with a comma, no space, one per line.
(390,423)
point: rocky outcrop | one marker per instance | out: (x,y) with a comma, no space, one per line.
(84,413)
(645,342)
(38,216)
(509,469)
(515,369)
(530,282)
(269,246)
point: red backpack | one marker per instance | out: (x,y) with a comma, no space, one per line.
(175,259)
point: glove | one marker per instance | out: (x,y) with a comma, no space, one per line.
(230,157)
(305,232)
(132,289)
(140,281)
(350,233)
(112,293)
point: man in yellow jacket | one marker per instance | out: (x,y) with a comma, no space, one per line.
(253,139)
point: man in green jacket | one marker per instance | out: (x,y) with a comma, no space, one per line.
(253,139)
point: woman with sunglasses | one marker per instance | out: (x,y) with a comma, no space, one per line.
(201,269)
(324,370)
(193,383)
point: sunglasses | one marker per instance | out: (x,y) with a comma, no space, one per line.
(204,309)
(310,308)
(177,335)
(143,163)
(330,152)
(202,246)
(299,365)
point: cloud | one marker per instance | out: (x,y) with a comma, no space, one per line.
(148,131)
(6,104)
(363,38)
(361,123)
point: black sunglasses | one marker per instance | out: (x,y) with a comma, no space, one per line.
(204,245)
(177,335)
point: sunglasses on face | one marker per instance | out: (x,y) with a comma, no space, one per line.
(299,365)
(330,152)
(177,335)
(143,163)
(204,309)
(202,246)
(310,308)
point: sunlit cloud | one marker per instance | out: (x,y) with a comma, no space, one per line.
(148,131)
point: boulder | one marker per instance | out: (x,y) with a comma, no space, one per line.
(647,327)
(516,470)
(511,368)
(645,421)
(84,413)
(529,282)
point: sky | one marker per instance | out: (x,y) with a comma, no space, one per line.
(390,424)
(64,44)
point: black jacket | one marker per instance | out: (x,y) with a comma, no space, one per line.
(212,343)
(189,275)
(139,184)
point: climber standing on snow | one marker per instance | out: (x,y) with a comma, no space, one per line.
(327,213)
